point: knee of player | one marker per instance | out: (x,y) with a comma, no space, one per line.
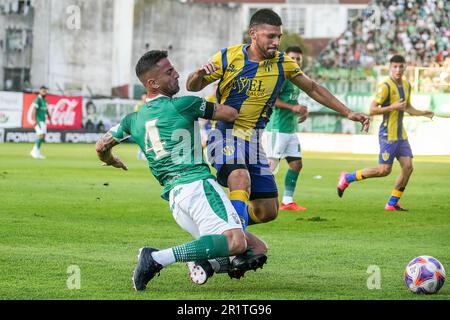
(383,172)
(268,214)
(239,179)
(409,168)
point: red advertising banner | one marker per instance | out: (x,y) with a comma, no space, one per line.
(66,112)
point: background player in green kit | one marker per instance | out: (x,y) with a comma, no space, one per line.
(167,131)
(282,139)
(40,115)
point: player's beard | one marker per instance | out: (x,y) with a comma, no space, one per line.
(172,90)
(266,53)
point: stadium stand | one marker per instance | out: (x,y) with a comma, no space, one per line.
(417,29)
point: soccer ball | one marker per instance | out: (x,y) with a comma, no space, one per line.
(424,275)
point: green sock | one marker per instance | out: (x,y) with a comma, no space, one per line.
(290,181)
(39,142)
(204,248)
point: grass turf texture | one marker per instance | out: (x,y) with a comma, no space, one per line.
(68,210)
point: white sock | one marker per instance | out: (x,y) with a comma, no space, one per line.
(287,200)
(164,257)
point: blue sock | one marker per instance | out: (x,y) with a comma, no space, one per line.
(351,177)
(241,209)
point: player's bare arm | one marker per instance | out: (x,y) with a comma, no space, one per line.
(225,113)
(104,152)
(49,116)
(196,81)
(376,109)
(414,112)
(300,110)
(324,97)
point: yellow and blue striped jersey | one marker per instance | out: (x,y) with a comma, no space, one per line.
(250,87)
(389,92)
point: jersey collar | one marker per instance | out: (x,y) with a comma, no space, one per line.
(157,97)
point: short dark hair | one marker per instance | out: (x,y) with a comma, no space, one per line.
(265,16)
(295,49)
(148,61)
(398,59)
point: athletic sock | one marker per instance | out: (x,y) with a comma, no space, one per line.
(354,176)
(290,182)
(39,143)
(395,196)
(239,199)
(204,248)
(164,257)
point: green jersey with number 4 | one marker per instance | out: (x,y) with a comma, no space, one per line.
(283,120)
(167,131)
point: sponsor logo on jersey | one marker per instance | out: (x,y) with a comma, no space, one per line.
(250,86)
(268,66)
(232,68)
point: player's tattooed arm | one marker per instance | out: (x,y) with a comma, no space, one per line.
(104,152)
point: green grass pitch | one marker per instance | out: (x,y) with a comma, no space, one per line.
(69,210)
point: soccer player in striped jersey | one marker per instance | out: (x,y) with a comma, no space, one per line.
(392,100)
(250,79)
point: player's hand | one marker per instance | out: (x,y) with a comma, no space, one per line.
(300,110)
(116,163)
(361,118)
(302,113)
(209,68)
(400,105)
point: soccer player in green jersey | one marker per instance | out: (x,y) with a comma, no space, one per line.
(392,100)
(282,139)
(167,131)
(40,115)
(250,78)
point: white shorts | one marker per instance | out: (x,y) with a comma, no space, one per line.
(203,208)
(40,128)
(283,145)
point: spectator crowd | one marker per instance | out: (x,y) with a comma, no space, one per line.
(417,29)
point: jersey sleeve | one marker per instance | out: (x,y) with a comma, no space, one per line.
(36,103)
(192,107)
(217,60)
(382,93)
(291,68)
(123,130)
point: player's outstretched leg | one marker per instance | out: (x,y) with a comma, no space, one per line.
(346,178)
(152,261)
